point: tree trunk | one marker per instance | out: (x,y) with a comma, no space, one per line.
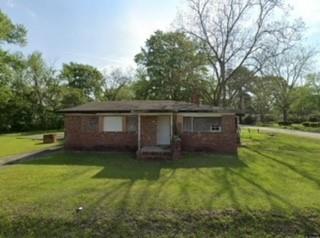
(262,117)
(285,115)
(217,97)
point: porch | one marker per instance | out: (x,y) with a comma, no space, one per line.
(155,136)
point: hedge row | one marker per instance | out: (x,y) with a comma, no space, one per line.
(311,124)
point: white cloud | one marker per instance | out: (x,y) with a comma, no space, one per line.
(143,18)
(309,11)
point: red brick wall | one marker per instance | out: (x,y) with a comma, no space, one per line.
(148,130)
(223,142)
(79,137)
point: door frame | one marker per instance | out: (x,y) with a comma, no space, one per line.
(153,114)
(167,120)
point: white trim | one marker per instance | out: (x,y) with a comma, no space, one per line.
(156,114)
(171,128)
(135,114)
(186,114)
(203,114)
(191,123)
(139,132)
(116,114)
(81,114)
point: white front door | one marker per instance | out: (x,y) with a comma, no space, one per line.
(163,130)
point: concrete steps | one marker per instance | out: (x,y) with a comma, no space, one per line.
(154,153)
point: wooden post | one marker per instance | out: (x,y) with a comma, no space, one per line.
(171,128)
(139,132)
(191,124)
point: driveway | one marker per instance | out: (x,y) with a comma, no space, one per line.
(285,131)
(28,156)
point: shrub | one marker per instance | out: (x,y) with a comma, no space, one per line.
(249,120)
(311,124)
(284,123)
(268,119)
(306,124)
(296,120)
(314,118)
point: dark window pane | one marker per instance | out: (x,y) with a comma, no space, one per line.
(132,123)
(206,124)
(187,124)
(90,124)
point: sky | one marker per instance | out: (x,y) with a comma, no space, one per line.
(107,33)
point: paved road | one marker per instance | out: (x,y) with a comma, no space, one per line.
(285,131)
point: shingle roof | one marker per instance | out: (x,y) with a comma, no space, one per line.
(142,106)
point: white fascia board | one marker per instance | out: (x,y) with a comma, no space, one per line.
(203,114)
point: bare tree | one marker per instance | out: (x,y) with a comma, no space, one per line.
(287,70)
(115,80)
(237,33)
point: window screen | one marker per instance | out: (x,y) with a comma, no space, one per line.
(112,124)
(206,124)
(187,124)
(202,124)
(132,123)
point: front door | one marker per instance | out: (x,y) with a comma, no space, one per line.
(163,130)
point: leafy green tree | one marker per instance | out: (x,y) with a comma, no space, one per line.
(11,33)
(238,88)
(313,83)
(116,84)
(72,97)
(171,67)
(84,77)
(238,33)
(288,69)
(39,77)
(141,86)
(10,66)
(304,104)
(262,89)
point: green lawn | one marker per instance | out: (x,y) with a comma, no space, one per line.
(271,189)
(12,144)
(298,127)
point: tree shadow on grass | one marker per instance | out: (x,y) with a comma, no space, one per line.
(293,168)
(125,166)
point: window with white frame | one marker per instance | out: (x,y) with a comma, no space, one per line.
(113,124)
(202,124)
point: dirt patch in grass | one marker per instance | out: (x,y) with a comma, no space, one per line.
(202,223)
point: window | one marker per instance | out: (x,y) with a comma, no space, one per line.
(187,124)
(90,124)
(202,124)
(132,123)
(113,124)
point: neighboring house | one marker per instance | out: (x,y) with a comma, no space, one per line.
(151,128)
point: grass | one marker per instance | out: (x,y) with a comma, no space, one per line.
(19,143)
(298,127)
(271,188)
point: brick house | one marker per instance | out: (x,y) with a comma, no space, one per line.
(152,128)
